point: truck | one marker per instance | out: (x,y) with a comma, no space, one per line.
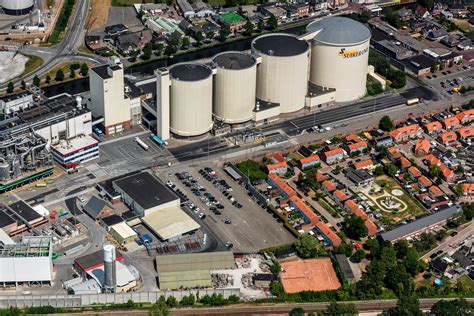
(158,140)
(141,143)
(413,101)
(144,239)
(97,131)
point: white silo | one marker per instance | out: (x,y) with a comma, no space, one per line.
(190,99)
(17,7)
(110,277)
(339,56)
(234,87)
(282,75)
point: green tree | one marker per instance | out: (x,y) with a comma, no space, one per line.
(378,171)
(48,79)
(188,300)
(172,302)
(59,75)
(433,68)
(297,311)
(434,170)
(411,262)
(391,169)
(468,211)
(10,87)
(23,84)
(458,307)
(260,26)
(386,124)
(272,22)
(406,306)
(36,81)
(355,227)
(84,69)
(72,73)
(428,4)
(337,309)
(210,35)
(398,79)
(224,33)
(159,309)
(248,27)
(308,247)
(358,256)
(459,190)
(185,41)
(392,18)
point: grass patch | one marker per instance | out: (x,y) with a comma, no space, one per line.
(62,21)
(416,79)
(466,281)
(251,169)
(463,25)
(126,3)
(295,155)
(33,63)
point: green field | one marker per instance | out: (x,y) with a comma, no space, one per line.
(231,18)
(252,170)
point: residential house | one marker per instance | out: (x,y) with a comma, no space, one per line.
(406,132)
(437,34)
(278,168)
(447,138)
(451,122)
(354,209)
(424,182)
(465,44)
(458,8)
(435,192)
(439,266)
(405,14)
(422,147)
(283,188)
(468,189)
(356,148)
(263,280)
(319,5)
(186,8)
(466,132)
(271,9)
(385,141)
(351,206)
(352,138)
(447,174)
(93,41)
(421,12)
(394,154)
(116,29)
(296,11)
(414,173)
(405,163)
(335,155)
(330,237)
(329,187)
(363,164)
(304,210)
(432,160)
(202,9)
(466,116)
(433,127)
(320,177)
(310,161)
(340,197)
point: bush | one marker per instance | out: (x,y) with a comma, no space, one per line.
(373,86)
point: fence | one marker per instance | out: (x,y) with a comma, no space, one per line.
(84,300)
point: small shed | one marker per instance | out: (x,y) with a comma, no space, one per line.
(97,208)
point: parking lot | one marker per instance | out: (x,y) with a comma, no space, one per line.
(245,229)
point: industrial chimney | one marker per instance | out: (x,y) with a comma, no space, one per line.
(110,278)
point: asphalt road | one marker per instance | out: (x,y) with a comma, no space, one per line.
(445,245)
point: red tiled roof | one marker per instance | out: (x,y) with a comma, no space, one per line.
(451,121)
(282,184)
(465,132)
(425,181)
(405,162)
(351,205)
(329,185)
(307,211)
(358,145)
(360,213)
(309,159)
(447,137)
(422,144)
(445,171)
(466,114)
(353,138)
(371,227)
(468,188)
(320,177)
(277,156)
(432,159)
(340,195)
(277,165)
(363,164)
(414,171)
(394,152)
(433,126)
(334,152)
(409,129)
(336,241)
(436,191)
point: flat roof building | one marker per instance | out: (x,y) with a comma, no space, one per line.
(144,194)
(170,223)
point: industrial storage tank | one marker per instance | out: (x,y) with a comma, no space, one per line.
(339,56)
(234,87)
(282,75)
(17,7)
(110,277)
(191,99)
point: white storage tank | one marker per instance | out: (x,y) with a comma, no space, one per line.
(282,75)
(234,87)
(190,99)
(17,7)
(339,56)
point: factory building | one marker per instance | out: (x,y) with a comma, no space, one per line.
(33,137)
(108,98)
(282,75)
(17,7)
(17,260)
(339,56)
(235,86)
(19,217)
(71,153)
(15,103)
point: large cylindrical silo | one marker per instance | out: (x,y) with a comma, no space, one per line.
(110,278)
(282,75)
(17,7)
(234,87)
(191,99)
(339,56)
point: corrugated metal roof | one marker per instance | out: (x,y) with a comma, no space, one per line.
(339,31)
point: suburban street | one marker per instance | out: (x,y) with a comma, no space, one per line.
(445,246)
